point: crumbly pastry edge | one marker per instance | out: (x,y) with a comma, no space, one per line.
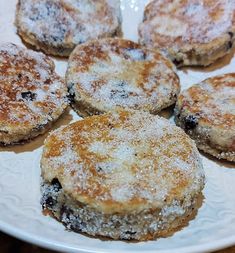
(15,137)
(84,109)
(141,226)
(199,54)
(201,136)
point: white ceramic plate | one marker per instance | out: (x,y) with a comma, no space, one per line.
(20,211)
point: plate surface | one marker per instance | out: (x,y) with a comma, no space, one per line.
(20,211)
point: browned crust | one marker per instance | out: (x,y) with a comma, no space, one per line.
(63,50)
(199,112)
(202,139)
(188,53)
(86,56)
(76,142)
(32,94)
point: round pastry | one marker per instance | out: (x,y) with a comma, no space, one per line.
(206,112)
(57,26)
(126,175)
(109,74)
(32,95)
(194,32)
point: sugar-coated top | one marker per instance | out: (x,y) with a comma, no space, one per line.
(212,101)
(31,93)
(123,161)
(175,23)
(114,73)
(68,22)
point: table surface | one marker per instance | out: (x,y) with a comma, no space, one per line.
(9,244)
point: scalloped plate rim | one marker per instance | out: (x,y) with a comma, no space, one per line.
(55,245)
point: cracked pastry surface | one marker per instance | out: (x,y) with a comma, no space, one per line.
(126,175)
(32,95)
(206,111)
(194,32)
(109,74)
(57,26)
